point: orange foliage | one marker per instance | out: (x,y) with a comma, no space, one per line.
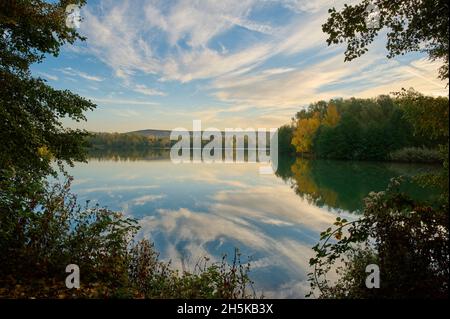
(332,118)
(304,133)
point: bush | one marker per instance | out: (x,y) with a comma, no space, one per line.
(155,279)
(416,154)
(407,240)
(51,231)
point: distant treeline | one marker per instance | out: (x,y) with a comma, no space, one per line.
(364,129)
(142,141)
(127,141)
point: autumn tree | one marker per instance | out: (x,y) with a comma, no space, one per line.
(332,117)
(304,133)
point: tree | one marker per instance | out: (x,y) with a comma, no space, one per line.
(412,26)
(370,129)
(285,134)
(332,117)
(30,110)
(304,133)
(319,108)
(31,131)
(326,142)
(427,114)
(429,118)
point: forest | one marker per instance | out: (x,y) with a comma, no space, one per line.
(364,129)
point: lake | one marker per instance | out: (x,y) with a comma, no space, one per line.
(194,210)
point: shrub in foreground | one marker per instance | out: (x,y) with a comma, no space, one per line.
(407,240)
(51,231)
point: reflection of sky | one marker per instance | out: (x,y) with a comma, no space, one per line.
(195,210)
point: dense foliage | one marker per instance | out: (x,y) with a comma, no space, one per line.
(31,111)
(31,131)
(58,231)
(42,227)
(365,129)
(407,240)
(285,133)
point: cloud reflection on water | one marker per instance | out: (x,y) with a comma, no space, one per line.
(191,211)
(271,224)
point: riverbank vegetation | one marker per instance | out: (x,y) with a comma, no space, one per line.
(407,240)
(42,227)
(377,129)
(52,230)
(416,154)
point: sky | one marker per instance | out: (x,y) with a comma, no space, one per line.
(231,64)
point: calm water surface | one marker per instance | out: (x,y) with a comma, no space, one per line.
(195,210)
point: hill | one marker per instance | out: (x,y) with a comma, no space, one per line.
(151,132)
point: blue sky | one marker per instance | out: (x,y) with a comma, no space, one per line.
(229,63)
